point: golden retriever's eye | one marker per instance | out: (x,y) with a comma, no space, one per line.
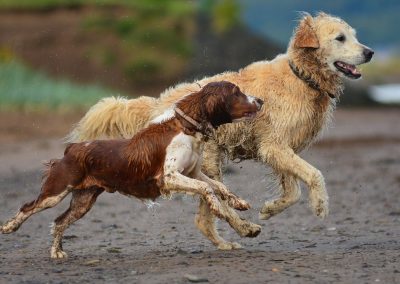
(340,38)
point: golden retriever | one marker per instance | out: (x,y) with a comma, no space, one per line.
(299,88)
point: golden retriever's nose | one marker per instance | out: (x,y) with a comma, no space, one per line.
(368,53)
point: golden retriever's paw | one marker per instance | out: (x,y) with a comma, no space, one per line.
(238,203)
(264,216)
(229,246)
(321,208)
(57,253)
(267,211)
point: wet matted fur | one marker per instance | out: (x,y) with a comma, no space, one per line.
(300,89)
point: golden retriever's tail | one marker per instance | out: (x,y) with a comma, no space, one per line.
(113,118)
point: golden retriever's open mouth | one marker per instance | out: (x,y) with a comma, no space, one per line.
(348,70)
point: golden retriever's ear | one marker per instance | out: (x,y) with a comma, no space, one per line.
(305,35)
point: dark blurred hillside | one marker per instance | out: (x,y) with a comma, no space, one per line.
(216,52)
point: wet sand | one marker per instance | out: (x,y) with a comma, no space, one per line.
(122,240)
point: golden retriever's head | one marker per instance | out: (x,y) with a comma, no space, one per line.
(333,42)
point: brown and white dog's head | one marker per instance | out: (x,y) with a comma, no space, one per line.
(333,42)
(219,103)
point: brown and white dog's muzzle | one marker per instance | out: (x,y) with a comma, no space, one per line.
(257,101)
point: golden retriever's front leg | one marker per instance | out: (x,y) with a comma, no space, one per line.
(221,190)
(212,163)
(205,222)
(284,160)
(290,195)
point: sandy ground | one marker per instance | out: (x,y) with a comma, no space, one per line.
(121,240)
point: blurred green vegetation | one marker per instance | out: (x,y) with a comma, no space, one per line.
(225,14)
(383,71)
(149,5)
(24,89)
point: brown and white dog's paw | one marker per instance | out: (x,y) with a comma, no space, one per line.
(57,253)
(246,229)
(9,227)
(238,203)
(229,246)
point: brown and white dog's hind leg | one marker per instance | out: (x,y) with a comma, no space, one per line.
(290,195)
(28,209)
(56,186)
(81,202)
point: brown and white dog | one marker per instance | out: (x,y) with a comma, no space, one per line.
(163,158)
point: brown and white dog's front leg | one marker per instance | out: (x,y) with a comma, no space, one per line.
(175,181)
(284,160)
(221,190)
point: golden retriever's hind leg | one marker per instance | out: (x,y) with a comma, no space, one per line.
(290,195)
(205,222)
(81,202)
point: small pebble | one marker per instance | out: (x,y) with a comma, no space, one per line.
(195,279)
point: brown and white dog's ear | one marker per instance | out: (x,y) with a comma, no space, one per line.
(305,35)
(235,90)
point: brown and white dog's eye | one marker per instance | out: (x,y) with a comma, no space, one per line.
(340,38)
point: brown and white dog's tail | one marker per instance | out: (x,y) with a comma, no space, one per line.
(113,118)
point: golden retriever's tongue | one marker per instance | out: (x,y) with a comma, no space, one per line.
(351,68)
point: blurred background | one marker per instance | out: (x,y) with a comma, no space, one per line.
(59,57)
(63,55)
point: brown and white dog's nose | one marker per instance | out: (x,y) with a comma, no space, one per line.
(368,53)
(259,103)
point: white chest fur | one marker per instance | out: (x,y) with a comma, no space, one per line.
(184,155)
